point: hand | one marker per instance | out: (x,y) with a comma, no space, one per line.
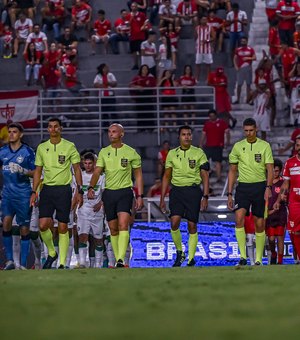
(32,199)
(79,200)
(230,205)
(162,206)
(91,194)
(16,168)
(139,203)
(97,207)
(204,204)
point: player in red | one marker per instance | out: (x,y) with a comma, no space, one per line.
(81,16)
(291,188)
(276,221)
(102,28)
(291,143)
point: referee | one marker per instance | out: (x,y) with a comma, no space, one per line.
(118,161)
(54,158)
(252,159)
(186,167)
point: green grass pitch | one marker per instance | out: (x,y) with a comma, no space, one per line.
(183,303)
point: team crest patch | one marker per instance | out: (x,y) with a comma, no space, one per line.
(20,159)
(124,162)
(257,157)
(192,163)
(61,159)
(277,190)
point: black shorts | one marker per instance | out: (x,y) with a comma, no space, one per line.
(135,45)
(215,153)
(116,201)
(251,195)
(185,202)
(56,198)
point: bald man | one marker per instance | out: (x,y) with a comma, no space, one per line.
(118,161)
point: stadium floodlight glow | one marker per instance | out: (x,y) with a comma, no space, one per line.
(222,216)
(221,206)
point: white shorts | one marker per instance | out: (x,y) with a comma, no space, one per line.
(204,58)
(90,222)
(106,230)
(34,221)
(262,121)
(99,38)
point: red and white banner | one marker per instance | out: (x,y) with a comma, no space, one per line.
(19,106)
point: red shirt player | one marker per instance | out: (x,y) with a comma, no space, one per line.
(291,186)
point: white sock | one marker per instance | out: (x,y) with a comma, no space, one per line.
(92,262)
(250,245)
(82,255)
(110,255)
(70,252)
(99,257)
(269,255)
(16,249)
(37,250)
(128,255)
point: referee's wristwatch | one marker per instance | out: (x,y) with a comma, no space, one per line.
(205,196)
(80,190)
(142,196)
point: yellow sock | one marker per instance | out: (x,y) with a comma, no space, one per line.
(193,240)
(260,246)
(47,238)
(115,245)
(63,246)
(176,236)
(123,244)
(241,239)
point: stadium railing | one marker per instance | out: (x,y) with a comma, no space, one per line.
(92,109)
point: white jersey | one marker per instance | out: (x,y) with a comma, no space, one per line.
(99,187)
(39,40)
(149,49)
(261,103)
(272,4)
(23,27)
(238,17)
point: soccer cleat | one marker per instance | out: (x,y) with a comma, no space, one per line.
(9,265)
(191,263)
(120,264)
(180,257)
(273,260)
(61,266)
(242,262)
(258,263)
(49,261)
(22,268)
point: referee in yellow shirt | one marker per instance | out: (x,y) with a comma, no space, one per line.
(186,167)
(118,161)
(54,159)
(252,159)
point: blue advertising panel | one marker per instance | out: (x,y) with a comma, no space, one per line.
(153,246)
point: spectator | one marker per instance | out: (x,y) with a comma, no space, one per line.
(39,39)
(168,98)
(203,7)
(53,18)
(243,58)
(218,80)
(167,15)
(81,17)
(7,41)
(141,5)
(53,55)
(291,143)
(26,6)
(287,12)
(221,5)
(23,27)
(122,30)
(236,20)
(65,59)
(102,28)
(173,34)
(187,13)
(154,9)
(212,140)
(217,24)
(204,35)
(166,56)
(4,136)
(155,189)
(187,81)
(274,45)
(143,84)
(271,6)
(67,39)
(294,80)
(107,81)
(137,33)
(33,63)
(162,156)
(149,53)
(296,35)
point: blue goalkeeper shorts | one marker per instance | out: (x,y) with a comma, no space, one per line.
(19,208)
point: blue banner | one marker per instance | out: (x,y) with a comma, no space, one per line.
(217,246)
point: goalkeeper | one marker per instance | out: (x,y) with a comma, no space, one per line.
(17,162)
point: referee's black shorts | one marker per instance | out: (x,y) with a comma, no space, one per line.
(185,202)
(251,195)
(56,198)
(115,201)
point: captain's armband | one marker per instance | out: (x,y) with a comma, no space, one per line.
(205,166)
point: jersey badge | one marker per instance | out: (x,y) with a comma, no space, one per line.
(124,162)
(20,159)
(257,157)
(192,163)
(277,190)
(61,159)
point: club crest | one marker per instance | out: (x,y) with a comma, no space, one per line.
(124,162)
(61,159)
(192,163)
(257,157)
(20,159)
